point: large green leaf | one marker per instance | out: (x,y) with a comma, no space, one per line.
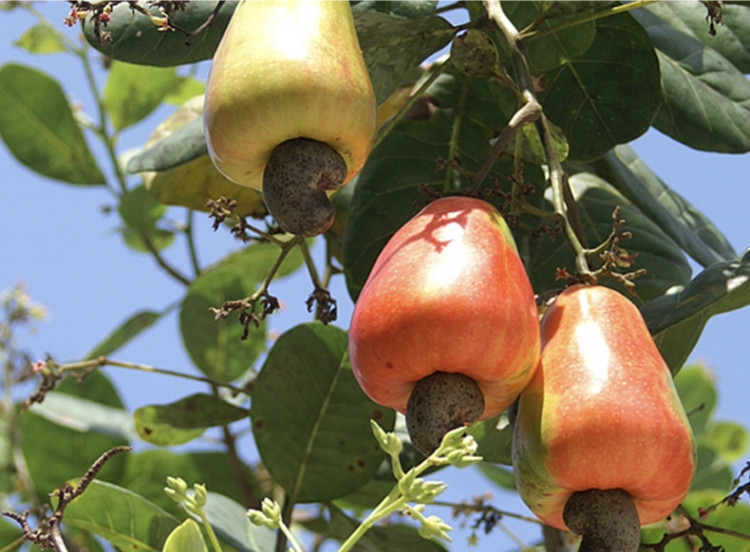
(311,420)
(676,320)
(215,346)
(466,114)
(706,98)
(665,264)
(134,38)
(606,95)
(132,92)
(38,126)
(394,46)
(682,222)
(184,420)
(732,38)
(120,517)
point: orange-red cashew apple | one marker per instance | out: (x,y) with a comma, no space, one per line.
(600,429)
(446,328)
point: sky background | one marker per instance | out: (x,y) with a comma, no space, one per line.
(56,239)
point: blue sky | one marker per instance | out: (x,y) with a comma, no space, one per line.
(55,239)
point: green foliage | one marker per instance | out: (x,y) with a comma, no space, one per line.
(137,39)
(602,73)
(186,537)
(121,517)
(310,418)
(38,126)
(182,421)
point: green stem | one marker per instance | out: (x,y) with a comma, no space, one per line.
(386,507)
(210,530)
(290,538)
(190,237)
(310,264)
(530,33)
(103,361)
(161,261)
(286,535)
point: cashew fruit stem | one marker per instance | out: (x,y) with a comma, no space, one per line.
(296,180)
(607,520)
(439,403)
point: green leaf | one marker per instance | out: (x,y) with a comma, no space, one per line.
(38,126)
(732,38)
(120,517)
(74,450)
(495,440)
(728,439)
(229,520)
(134,38)
(500,476)
(124,333)
(146,471)
(85,415)
(11,536)
(547,48)
(393,47)
(711,471)
(706,98)
(179,147)
(676,320)
(463,118)
(311,420)
(132,92)
(187,537)
(184,420)
(607,95)
(42,38)
(141,212)
(698,395)
(216,346)
(682,222)
(663,260)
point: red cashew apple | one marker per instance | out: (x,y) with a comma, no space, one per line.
(446,327)
(600,428)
